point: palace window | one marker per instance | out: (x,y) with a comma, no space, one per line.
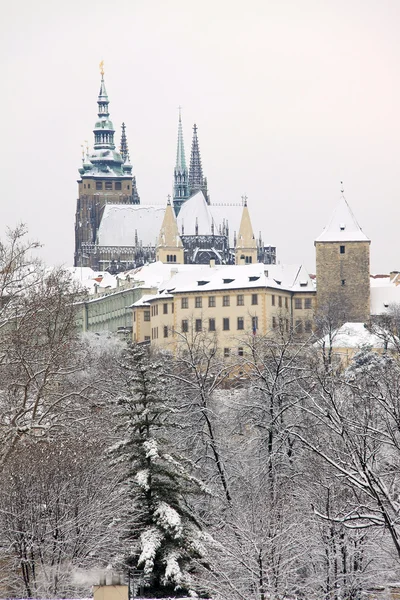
(274,322)
(225,324)
(240,323)
(273,300)
(240,300)
(184,302)
(211,324)
(165,331)
(286,303)
(299,326)
(307,303)
(185,325)
(254,299)
(198,302)
(298,303)
(227,352)
(226,300)
(254,323)
(165,309)
(146,315)
(118,185)
(211,301)
(240,351)
(108,185)
(198,325)
(308,327)
(280,301)
(99,185)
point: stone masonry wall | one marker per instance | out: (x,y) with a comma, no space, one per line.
(344,279)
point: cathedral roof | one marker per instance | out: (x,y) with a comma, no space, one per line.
(343,226)
(121,223)
(196,210)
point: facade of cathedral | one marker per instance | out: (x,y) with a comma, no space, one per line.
(114,231)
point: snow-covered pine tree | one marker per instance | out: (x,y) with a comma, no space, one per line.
(162,534)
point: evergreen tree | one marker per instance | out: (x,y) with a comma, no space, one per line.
(162,532)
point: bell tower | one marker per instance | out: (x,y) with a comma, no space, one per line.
(105,178)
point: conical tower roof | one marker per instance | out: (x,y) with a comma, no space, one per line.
(343,226)
(246,238)
(169,235)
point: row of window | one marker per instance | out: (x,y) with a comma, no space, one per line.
(108,185)
(226,325)
(299,326)
(226,301)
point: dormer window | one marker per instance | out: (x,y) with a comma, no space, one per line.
(228,280)
(253,278)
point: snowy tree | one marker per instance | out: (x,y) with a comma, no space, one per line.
(163,535)
(38,344)
(57,502)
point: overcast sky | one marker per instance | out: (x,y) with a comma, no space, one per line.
(290,97)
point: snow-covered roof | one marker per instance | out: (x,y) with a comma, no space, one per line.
(352,335)
(384,295)
(196,210)
(93,280)
(153,274)
(343,226)
(120,221)
(222,277)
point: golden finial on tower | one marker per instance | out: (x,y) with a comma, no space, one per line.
(83,152)
(101,65)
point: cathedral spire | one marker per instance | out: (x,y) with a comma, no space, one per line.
(124,150)
(180,150)
(196,180)
(181,187)
(103,129)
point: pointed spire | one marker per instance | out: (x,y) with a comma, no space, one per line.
(103,129)
(196,170)
(181,186)
(180,150)
(246,245)
(170,247)
(196,180)
(124,150)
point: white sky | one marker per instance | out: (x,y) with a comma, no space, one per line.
(290,97)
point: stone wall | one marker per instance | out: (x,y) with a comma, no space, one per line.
(343,279)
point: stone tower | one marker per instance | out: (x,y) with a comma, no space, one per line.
(181,177)
(246,245)
(105,178)
(342,267)
(170,247)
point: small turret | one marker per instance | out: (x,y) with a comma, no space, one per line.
(169,247)
(246,245)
